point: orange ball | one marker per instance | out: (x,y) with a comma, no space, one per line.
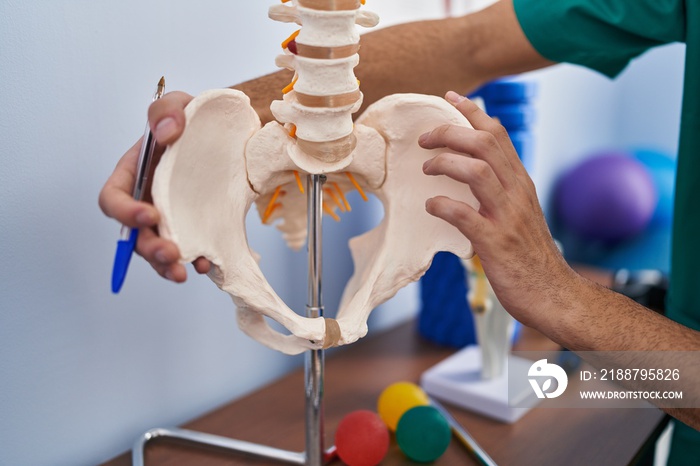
(398,398)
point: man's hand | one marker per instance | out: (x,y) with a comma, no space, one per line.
(508,232)
(167,120)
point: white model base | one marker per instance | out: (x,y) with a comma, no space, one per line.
(457,380)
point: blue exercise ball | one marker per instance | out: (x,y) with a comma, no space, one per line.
(608,197)
(649,250)
(662,169)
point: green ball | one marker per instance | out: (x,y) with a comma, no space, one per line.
(423,434)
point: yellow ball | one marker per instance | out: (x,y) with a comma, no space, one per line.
(398,398)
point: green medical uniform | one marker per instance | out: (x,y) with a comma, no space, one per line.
(605,35)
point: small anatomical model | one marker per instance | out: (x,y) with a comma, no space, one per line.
(494,326)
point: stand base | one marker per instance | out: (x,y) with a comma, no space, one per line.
(457,380)
(226,444)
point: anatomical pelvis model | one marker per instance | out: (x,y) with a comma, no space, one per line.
(225,162)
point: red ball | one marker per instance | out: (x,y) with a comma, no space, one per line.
(362,439)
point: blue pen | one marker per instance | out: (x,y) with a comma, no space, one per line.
(128,237)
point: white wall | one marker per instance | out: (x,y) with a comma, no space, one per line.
(82,372)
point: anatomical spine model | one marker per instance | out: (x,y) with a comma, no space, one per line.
(224,162)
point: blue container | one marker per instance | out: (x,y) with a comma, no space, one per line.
(445,317)
(511,102)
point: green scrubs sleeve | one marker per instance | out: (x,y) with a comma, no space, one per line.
(600,34)
(605,35)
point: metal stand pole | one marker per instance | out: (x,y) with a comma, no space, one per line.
(315,455)
(313,364)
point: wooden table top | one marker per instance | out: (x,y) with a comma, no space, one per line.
(354,378)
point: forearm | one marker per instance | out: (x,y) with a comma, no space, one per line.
(459,54)
(584,316)
(427,57)
(587,317)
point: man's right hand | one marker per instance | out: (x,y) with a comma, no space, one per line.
(167,119)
